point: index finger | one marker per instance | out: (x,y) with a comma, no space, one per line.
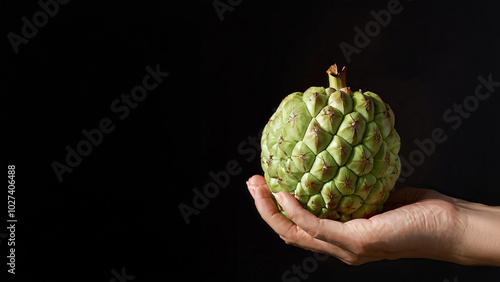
(330,231)
(287,230)
(266,205)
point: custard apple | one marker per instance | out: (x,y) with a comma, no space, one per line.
(335,150)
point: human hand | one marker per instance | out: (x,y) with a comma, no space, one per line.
(417,223)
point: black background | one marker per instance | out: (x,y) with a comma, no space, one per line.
(119,207)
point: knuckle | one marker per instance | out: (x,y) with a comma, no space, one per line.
(291,235)
(285,239)
(288,241)
(365,244)
(361,249)
(315,233)
(316,229)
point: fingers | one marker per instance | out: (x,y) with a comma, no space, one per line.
(288,231)
(269,211)
(255,181)
(320,235)
(330,231)
(306,231)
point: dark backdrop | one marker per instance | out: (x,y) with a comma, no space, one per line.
(118,211)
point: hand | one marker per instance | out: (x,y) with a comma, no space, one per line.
(417,223)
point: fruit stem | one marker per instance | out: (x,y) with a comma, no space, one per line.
(336,78)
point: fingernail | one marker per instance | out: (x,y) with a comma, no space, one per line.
(278,197)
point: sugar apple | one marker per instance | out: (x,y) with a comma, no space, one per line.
(335,150)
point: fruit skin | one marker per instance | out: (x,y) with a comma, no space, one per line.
(335,150)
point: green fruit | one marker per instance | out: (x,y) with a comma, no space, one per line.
(335,150)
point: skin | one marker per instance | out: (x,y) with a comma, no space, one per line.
(416,223)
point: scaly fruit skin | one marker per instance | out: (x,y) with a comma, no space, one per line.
(335,150)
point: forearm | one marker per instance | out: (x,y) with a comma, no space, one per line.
(480,243)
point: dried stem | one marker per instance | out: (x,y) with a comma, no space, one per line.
(336,78)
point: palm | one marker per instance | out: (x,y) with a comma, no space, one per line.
(413,217)
(409,225)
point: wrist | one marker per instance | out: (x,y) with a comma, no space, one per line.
(479,244)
